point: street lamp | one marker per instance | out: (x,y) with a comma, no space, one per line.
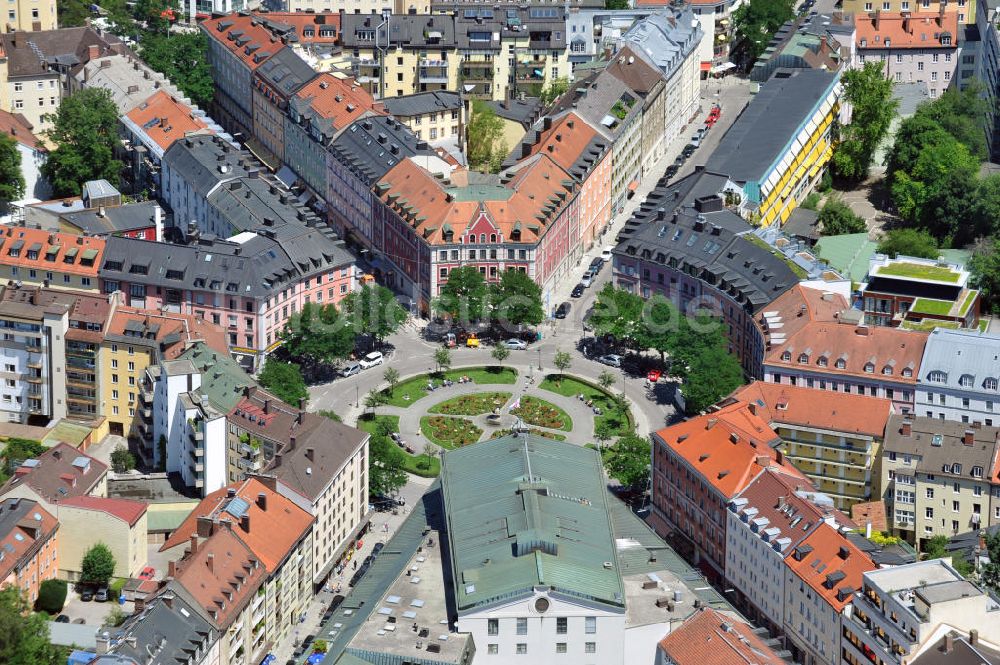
(539,359)
(357,396)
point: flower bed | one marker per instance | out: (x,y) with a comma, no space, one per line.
(471,405)
(450,432)
(535,411)
(532,430)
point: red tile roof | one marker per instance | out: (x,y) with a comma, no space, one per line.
(921,30)
(172,119)
(819,561)
(809,324)
(708,637)
(124,509)
(728,447)
(834,411)
(872,513)
(174,332)
(18,128)
(59,473)
(273,531)
(342,101)
(244,36)
(67,243)
(564,141)
(20,531)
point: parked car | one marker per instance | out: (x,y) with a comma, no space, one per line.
(371,360)
(102,595)
(606,253)
(350,369)
(563,311)
(358,574)
(689,150)
(62,618)
(596,265)
(79,620)
(378,547)
(516,344)
(578,290)
(587,279)
(611,360)
(147,573)
(87,595)
(695,140)
(672,171)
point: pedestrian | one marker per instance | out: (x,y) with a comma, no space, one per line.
(355,564)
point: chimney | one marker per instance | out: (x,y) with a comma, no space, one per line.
(245,523)
(168,599)
(763,460)
(862,330)
(267,405)
(93,52)
(210,562)
(298,417)
(291,443)
(194,543)
(310,453)
(949,643)
(262,501)
(302,404)
(171,569)
(907,428)
(973,637)
(753,408)
(139,605)
(877,14)
(969,437)
(102,643)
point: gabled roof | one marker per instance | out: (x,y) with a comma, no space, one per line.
(223,381)
(17,127)
(314,28)
(34,53)
(831,564)
(515,507)
(245,36)
(898,30)
(274,525)
(285,72)
(23,525)
(423,103)
(728,447)
(331,103)
(709,637)
(665,39)
(569,141)
(58,252)
(371,147)
(124,509)
(169,333)
(171,628)
(162,119)
(60,472)
(945,447)
(634,71)
(107,221)
(798,405)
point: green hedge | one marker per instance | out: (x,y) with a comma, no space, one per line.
(51,596)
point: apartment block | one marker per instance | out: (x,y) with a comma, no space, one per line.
(939,477)
(957,379)
(121,524)
(902,610)
(275,82)
(29,546)
(437,117)
(31,15)
(319,464)
(965,10)
(170,624)
(696,642)
(987,70)
(918,294)
(61,472)
(780,145)
(57,260)
(839,454)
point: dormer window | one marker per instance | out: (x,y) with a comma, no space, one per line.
(841,363)
(907,372)
(937,376)
(991,383)
(977,472)
(887,370)
(803,358)
(966,380)
(823,361)
(787,355)
(869,368)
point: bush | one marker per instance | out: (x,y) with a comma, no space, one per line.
(51,596)
(811,202)
(98,565)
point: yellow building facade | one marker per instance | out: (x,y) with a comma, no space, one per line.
(966,9)
(843,466)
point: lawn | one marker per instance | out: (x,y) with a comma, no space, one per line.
(428,466)
(792,265)
(414,388)
(968,302)
(929,324)
(928,306)
(538,412)
(450,432)
(919,271)
(471,405)
(620,422)
(531,430)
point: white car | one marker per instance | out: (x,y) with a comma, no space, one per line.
(587,279)
(516,344)
(611,360)
(372,359)
(606,253)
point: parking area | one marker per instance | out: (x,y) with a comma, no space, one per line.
(92,612)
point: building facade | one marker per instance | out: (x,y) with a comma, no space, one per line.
(120,524)
(29,546)
(918,293)
(956,379)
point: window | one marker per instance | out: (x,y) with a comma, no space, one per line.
(493,626)
(929,513)
(493,649)
(590,647)
(930,492)
(937,376)
(920,65)
(955,506)
(977,472)
(899,58)
(18,87)
(561,625)
(560,647)
(522,648)
(590,625)
(522,626)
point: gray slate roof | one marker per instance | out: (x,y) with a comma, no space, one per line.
(665,39)
(596,104)
(707,237)
(370,147)
(172,634)
(936,443)
(423,103)
(523,111)
(115,220)
(205,161)
(760,134)
(63,50)
(286,72)
(958,353)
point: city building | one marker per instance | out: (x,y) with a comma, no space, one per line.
(822,575)
(902,610)
(50,356)
(835,439)
(33,154)
(938,477)
(57,260)
(319,464)
(61,472)
(275,81)
(437,116)
(224,580)
(698,257)
(815,340)
(168,629)
(120,524)
(709,637)
(820,41)
(276,531)
(961,649)
(31,15)
(918,293)
(965,10)
(699,466)
(133,220)
(987,71)
(128,80)
(956,379)
(780,145)
(518,116)
(38,65)
(919,47)
(29,546)
(715,18)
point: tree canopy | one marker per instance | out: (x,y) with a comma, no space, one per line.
(122,461)
(284,380)
(98,565)
(836,218)
(374,310)
(464,297)
(516,299)
(558,86)
(869,92)
(909,242)
(24,635)
(486,147)
(182,57)
(754,24)
(318,332)
(628,459)
(385,473)
(85,131)
(11,176)
(985,268)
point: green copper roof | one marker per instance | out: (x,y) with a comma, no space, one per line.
(481,193)
(849,254)
(525,512)
(222,380)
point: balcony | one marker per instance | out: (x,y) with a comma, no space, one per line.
(35,364)
(146,413)
(434,75)
(477,76)
(146,395)
(366,62)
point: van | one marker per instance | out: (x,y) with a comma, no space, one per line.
(372,359)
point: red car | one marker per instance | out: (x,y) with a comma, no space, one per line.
(147,573)
(654,375)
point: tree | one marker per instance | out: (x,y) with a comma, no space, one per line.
(990,575)
(464,297)
(97,566)
(182,57)
(755,22)
(660,321)
(318,332)
(935,547)
(24,636)
(628,460)
(985,215)
(603,432)
(320,646)
(484,133)
(558,87)
(837,218)
(85,131)
(442,360)
(960,113)
(869,92)
(606,379)
(712,372)
(374,399)
(385,473)
(562,360)
(122,461)
(516,300)
(391,376)
(616,4)
(500,353)
(156,15)
(332,415)
(618,313)
(985,269)
(284,380)
(11,177)
(51,596)
(116,616)
(375,311)
(908,242)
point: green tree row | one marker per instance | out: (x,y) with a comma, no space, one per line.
(514,300)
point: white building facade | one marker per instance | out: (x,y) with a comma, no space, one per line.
(32,361)
(960,377)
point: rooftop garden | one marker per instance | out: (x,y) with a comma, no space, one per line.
(792,265)
(929,324)
(919,271)
(933,307)
(969,299)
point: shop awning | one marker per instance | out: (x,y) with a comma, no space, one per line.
(634,185)
(706,66)
(724,67)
